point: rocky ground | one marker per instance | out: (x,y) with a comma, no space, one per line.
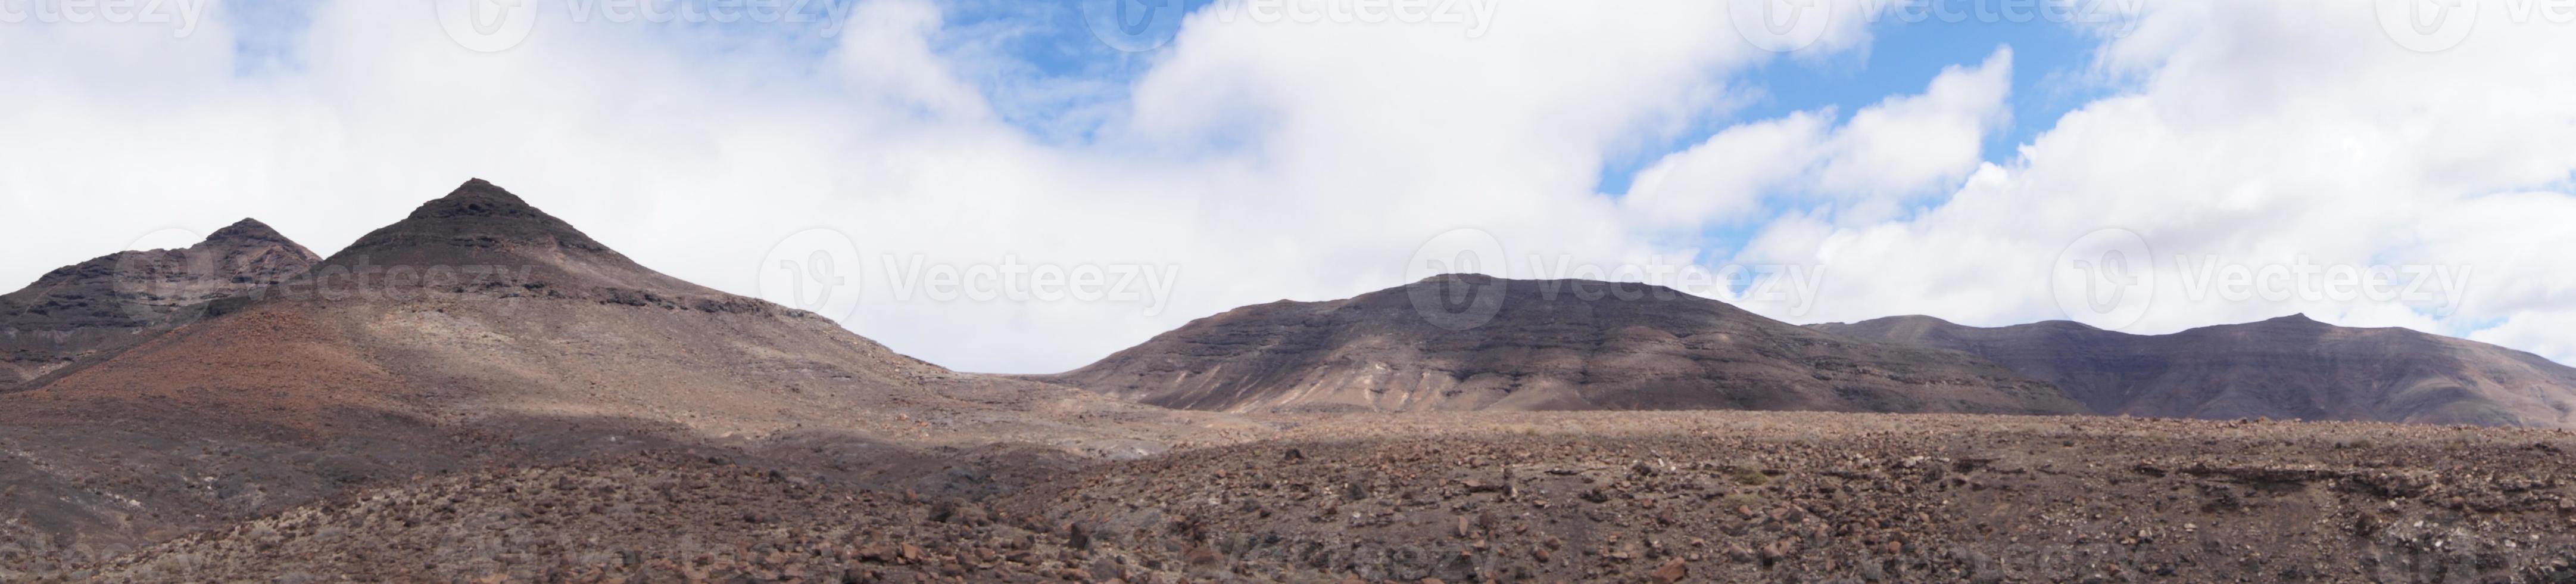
(1653,497)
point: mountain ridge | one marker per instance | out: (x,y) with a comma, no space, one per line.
(1548,345)
(104,304)
(369,368)
(2289,367)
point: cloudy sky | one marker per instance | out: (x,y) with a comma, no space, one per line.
(2145,165)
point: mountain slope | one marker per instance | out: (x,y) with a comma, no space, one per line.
(2286,368)
(1551,345)
(480,331)
(113,301)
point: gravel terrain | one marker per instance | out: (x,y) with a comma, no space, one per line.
(1623,497)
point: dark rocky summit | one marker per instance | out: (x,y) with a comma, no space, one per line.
(2285,368)
(104,304)
(1548,345)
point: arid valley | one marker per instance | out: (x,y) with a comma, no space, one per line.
(479,392)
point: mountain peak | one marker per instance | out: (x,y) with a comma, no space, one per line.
(2300,319)
(477,215)
(249,233)
(478,198)
(1488,343)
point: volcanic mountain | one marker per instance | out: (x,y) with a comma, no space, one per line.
(1543,345)
(482,331)
(2285,368)
(114,301)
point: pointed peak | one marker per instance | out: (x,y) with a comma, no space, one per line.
(478,215)
(247,230)
(2300,318)
(478,198)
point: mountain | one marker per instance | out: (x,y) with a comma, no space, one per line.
(2285,368)
(113,301)
(1549,345)
(480,332)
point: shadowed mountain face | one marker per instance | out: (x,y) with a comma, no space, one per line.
(481,331)
(117,300)
(1549,345)
(2284,368)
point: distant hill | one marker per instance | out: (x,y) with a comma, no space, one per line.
(113,301)
(2284,368)
(1548,346)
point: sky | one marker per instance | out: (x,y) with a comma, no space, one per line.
(1011,186)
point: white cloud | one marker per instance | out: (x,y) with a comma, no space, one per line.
(2259,134)
(1886,155)
(1307,161)
(1908,146)
(1264,160)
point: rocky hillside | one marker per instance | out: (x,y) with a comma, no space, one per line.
(111,302)
(2284,368)
(481,331)
(1548,345)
